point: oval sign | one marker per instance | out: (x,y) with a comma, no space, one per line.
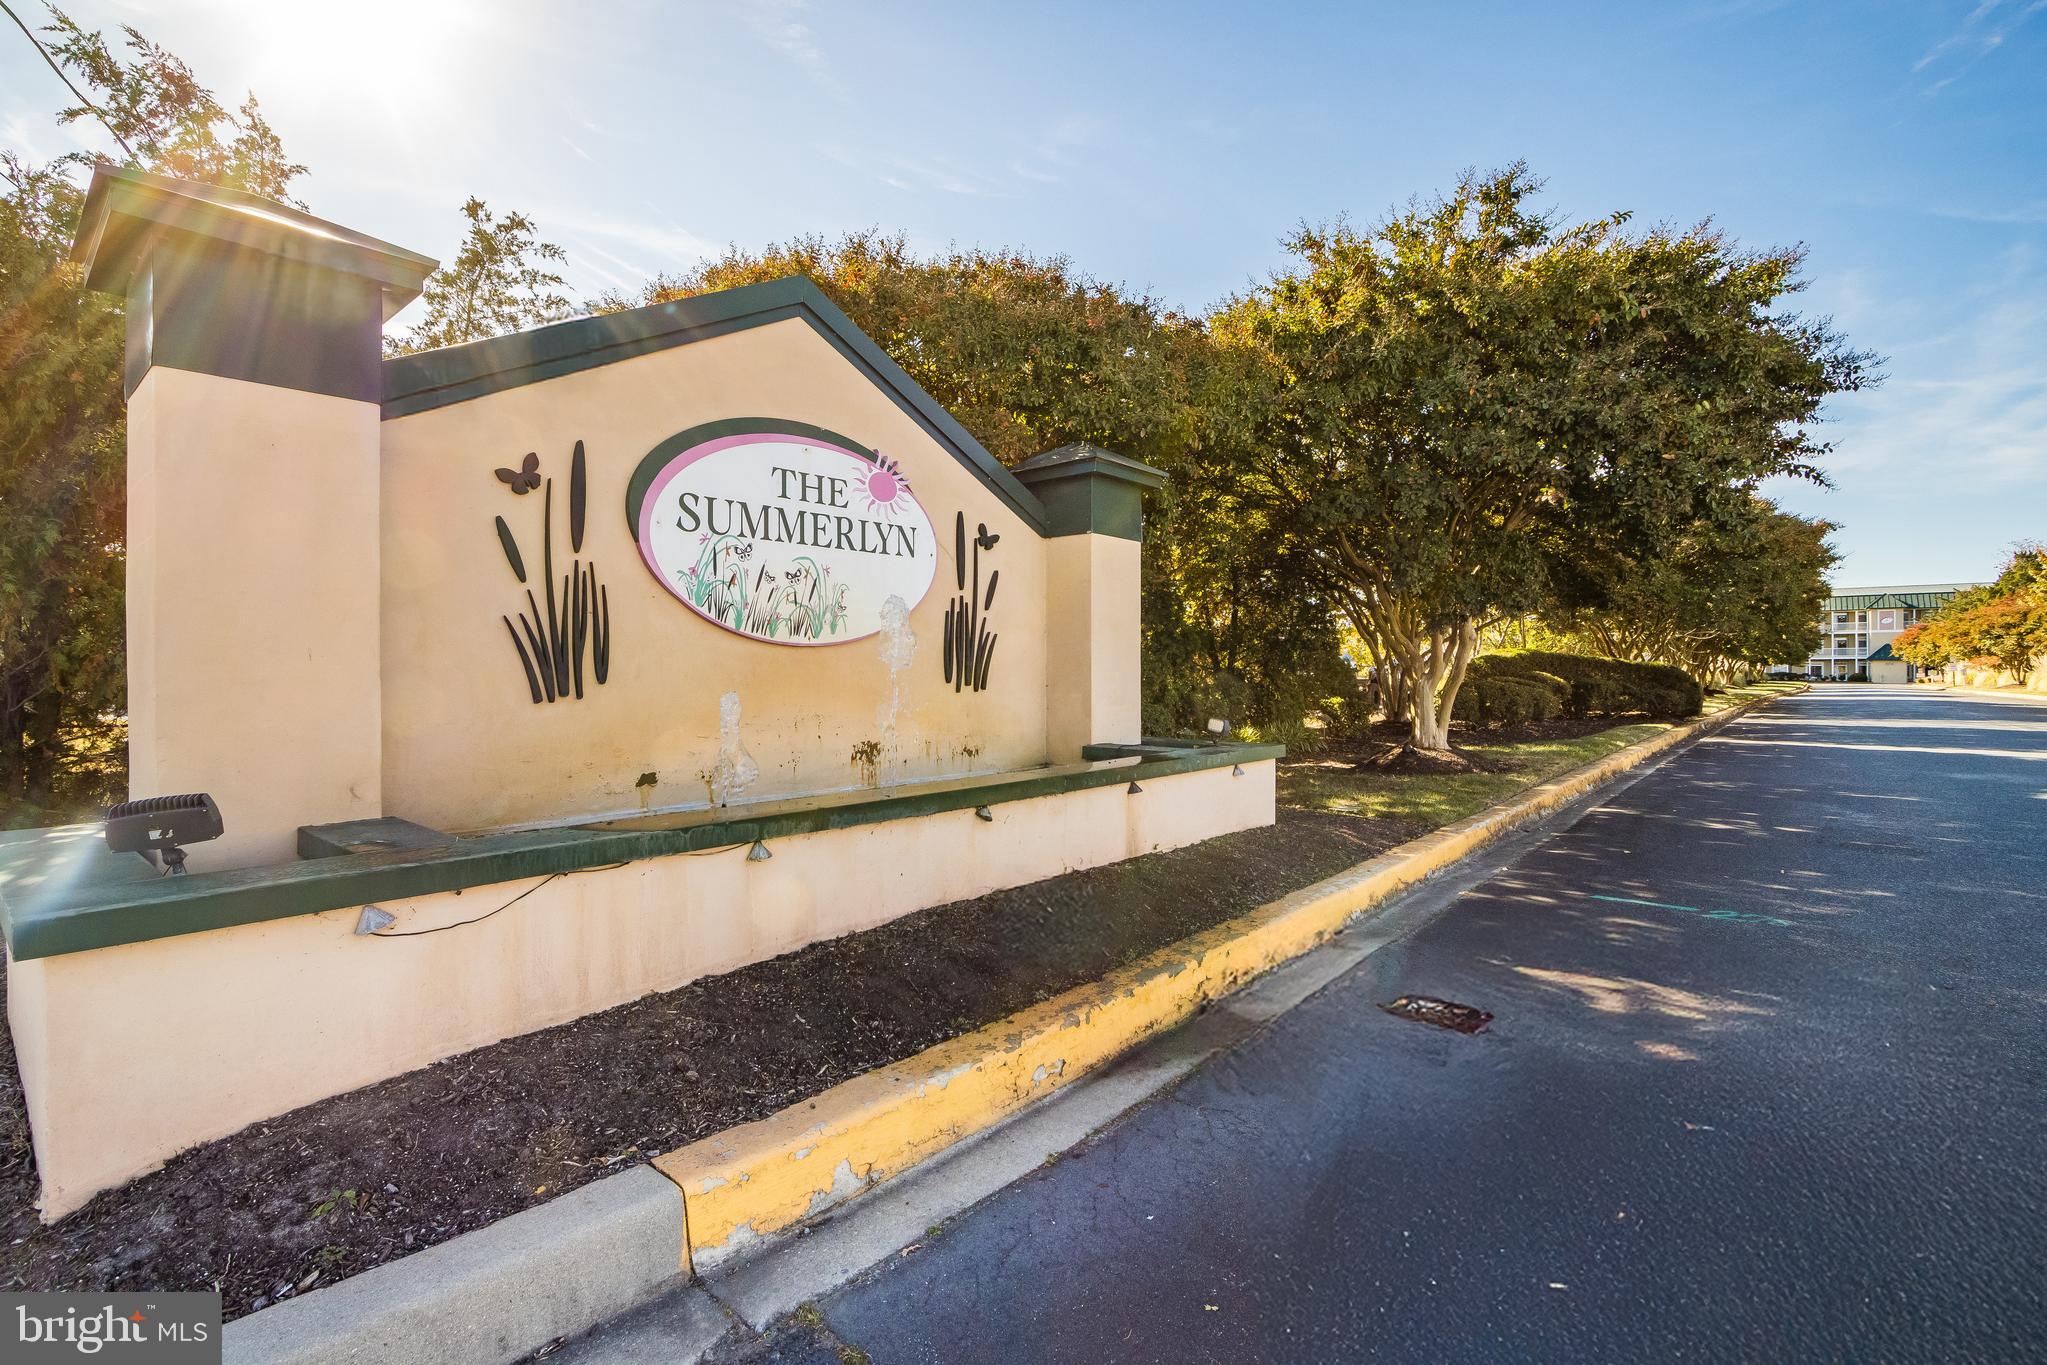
(784,533)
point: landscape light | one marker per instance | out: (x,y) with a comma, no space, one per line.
(983,813)
(157,827)
(1135,789)
(1217,725)
(373,918)
(758,853)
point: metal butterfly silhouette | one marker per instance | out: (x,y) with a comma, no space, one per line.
(525,478)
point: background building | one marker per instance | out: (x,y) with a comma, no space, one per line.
(1857,627)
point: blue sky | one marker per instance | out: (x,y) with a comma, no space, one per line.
(1171,146)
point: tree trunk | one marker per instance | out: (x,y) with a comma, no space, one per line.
(1435,680)
(39,759)
(1393,690)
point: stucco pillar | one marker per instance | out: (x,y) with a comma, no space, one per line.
(253,379)
(1094,504)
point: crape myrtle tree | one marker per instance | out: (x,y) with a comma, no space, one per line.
(1737,591)
(1030,353)
(2003,623)
(1463,400)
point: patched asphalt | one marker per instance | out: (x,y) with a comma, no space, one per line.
(1765,1081)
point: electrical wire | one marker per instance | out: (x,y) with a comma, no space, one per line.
(552,876)
(76,93)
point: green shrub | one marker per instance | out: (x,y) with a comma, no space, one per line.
(1295,733)
(1498,701)
(1348,717)
(1593,686)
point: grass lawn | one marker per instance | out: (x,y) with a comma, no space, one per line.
(1441,799)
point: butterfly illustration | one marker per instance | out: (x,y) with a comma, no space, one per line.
(984,540)
(525,478)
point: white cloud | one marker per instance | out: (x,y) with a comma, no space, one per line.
(1981,33)
(39,138)
(781,25)
(673,248)
(1965,404)
(2027,213)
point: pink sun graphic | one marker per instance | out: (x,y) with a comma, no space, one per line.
(885,485)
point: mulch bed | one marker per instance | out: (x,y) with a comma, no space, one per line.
(349,1183)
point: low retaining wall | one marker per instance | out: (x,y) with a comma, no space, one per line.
(134,1051)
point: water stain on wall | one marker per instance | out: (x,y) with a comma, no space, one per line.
(735,769)
(898,651)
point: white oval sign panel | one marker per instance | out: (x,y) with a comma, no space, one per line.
(780,532)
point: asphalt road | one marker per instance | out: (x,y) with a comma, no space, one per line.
(1765,1081)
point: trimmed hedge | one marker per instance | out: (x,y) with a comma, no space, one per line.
(1504,688)
(1497,701)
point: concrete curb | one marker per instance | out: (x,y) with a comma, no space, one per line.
(745,1185)
(495,1294)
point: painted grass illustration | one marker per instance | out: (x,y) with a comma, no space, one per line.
(552,647)
(800,602)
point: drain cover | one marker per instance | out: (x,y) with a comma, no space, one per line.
(1441,1013)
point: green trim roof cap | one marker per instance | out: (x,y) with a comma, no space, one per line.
(127,212)
(1083,460)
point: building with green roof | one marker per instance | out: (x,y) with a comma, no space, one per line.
(1858,625)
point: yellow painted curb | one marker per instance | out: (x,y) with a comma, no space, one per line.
(753,1181)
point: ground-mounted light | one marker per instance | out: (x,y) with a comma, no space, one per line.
(157,827)
(373,918)
(1236,770)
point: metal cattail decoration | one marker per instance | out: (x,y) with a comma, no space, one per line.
(969,644)
(551,645)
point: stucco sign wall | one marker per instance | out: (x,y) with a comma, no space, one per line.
(781,532)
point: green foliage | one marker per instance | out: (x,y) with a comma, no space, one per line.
(1024,350)
(1459,402)
(503,279)
(2001,625)
(1584,685)
(152,103)
(1497,701)
(1739,588)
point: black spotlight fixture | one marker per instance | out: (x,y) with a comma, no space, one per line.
(158,827)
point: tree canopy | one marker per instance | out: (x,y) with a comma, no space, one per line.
(502,279)
(2002,624)
(1468,397)
(1741,590)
